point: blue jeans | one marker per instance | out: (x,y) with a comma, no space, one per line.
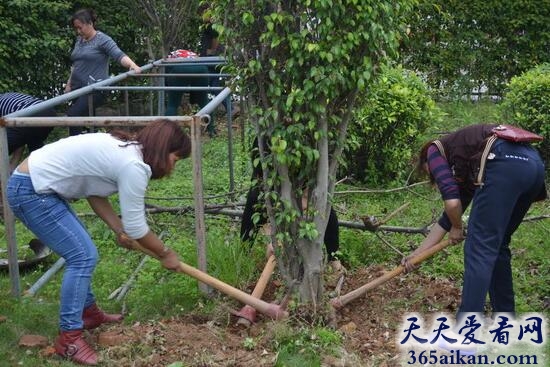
(52,220)
(512,181)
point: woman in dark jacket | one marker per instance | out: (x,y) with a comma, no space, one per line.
(253,205)
(502,179)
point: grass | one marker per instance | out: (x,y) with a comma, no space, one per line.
(158,293)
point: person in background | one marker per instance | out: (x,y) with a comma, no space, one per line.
(249,229)
(93,166)
(502,179)
(211,46)
(21,137)
(90,62)
(174,97)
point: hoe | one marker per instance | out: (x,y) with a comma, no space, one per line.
(274,311)
(341,301)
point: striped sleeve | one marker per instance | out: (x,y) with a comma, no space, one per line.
(442,174)
(12,101)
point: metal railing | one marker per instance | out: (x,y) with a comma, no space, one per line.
(20,118)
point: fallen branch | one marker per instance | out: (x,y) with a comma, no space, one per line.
(381,191)
(227,194)
(358,225)
(153,209)
(389,244)
(535,218)
(239,213)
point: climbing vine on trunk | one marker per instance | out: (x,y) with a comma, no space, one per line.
(300,65)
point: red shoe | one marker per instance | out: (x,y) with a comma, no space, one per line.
(71,345)
(93,316)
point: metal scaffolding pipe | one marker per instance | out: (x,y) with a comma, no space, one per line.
(215,102)
(9,218)
(90,121)
(45,277)
(179,63)
(203,60)
(198,195)
(179,75)
(163,88)
(76,93)
(19,118)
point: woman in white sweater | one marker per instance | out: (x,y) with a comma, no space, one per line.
(93,166)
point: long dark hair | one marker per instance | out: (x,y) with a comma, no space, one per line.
(158,140)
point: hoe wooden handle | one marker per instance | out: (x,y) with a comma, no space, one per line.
(247,314)
(274,311)
(340,302)
(264,277)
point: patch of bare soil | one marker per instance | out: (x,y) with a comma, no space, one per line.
(377,315)
(368,325)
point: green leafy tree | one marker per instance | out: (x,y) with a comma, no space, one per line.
(169,25)
(300,65)
(34,46)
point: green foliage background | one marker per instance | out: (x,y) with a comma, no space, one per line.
(527,104)
(37,39)
(389,123)
(455,45)
(35,46)
(461,45)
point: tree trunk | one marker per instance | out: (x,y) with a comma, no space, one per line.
(311,285)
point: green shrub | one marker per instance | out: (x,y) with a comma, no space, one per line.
(389,122)
(527,104)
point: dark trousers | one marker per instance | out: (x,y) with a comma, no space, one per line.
(513,179)
(249,229)
(199,98)
(80,107)
(33,137)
